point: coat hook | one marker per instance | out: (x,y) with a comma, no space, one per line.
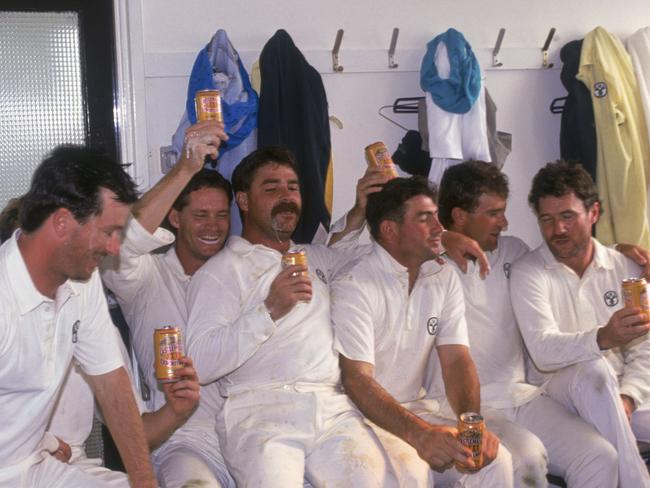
(495,53)
(549,38)
(335,52)
(391,50)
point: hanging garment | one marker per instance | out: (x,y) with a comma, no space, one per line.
(623,148)
(293,113)
(577,128)
(500,143)
(455,87)
(410,157)
(453,137)
(219,67)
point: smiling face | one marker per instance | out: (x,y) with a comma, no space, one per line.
(202,226)
(272,205)
(99,236)
(486,222)
(566,226)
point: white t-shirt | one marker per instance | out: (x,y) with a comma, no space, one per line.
(559,314)
(150,289)
(38,339)
(495,341)
(377,321)
(231,335)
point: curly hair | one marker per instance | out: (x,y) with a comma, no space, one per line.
(559,178)
(463,184)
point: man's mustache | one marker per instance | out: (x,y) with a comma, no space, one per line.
(285,207)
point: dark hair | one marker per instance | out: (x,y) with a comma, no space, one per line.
(463,184)
(560,178)
(246,169)
(390,202)
(9,218)
(206,178)
(72,177)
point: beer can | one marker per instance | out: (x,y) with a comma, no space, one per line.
(208,105)
(470,434)
(292,258)
(635,294)
(168,350)
(377,155)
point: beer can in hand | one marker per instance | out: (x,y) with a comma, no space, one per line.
(470,434)
(208,105)
(292,258)
(377,155)
(635,294)
(168,350)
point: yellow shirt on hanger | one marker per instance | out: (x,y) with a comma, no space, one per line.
(623,148)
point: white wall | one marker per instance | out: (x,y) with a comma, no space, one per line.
(173,31)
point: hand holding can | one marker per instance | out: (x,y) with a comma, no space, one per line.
(470,434)
(377,155)
(168,351)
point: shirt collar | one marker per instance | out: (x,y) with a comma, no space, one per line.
(171,258)
(28,298)
(601,258)
(244,248)
(389,263)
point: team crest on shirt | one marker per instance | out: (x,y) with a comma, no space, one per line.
(506,269)
(432,325)
(321,275)
(75,328)
(600,89)
(611,298)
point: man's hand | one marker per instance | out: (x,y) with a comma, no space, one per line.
(289,287)
(439,446)
(372,181)
(201,139)
(64,452)
(183,396)
(624,326)
(490,447)
(459,248)
(629,406)
(639,255)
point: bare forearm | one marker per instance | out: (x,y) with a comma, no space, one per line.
(381,408)
(115,397)
(160,425)
(153,206)
(462,386)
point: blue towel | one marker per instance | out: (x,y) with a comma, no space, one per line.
(218,66)
(457,93)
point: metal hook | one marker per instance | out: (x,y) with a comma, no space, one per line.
(549,38)
(391,50)
(495,53)
(335,52)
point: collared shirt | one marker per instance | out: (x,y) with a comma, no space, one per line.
(150,288)
(38,339)
(495,341)
(559,314)
(377,321)
(231,335)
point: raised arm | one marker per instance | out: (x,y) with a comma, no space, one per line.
(115,397)
(371,181)
(201,140)
(436,444)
